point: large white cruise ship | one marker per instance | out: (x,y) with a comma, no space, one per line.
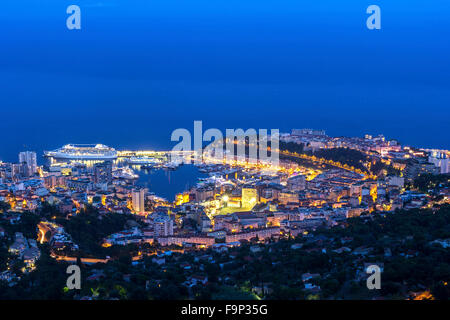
(83,152)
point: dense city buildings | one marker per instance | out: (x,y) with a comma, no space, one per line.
(74,208)
(103,172)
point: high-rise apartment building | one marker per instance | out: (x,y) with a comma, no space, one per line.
(103,172)
(138,200)
(28,159)
(163,226)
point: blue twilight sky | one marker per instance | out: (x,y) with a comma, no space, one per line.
(138,69)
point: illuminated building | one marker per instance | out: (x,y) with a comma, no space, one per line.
(440,160)
(182,198)
(180,241)
(103,172)
(52,181)
(163,226)
(138,200)
(297,183)
(249,197)
(288,197)
(304,132)
(248,235)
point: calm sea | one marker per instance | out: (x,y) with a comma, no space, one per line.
(167,183)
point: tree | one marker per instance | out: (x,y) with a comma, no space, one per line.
(4,206)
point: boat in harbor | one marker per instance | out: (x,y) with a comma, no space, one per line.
(209,168)
(125,173)
(82,152)
(171,165)
(144,161)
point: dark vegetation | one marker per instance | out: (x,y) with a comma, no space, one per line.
(416,264)
(425,182)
